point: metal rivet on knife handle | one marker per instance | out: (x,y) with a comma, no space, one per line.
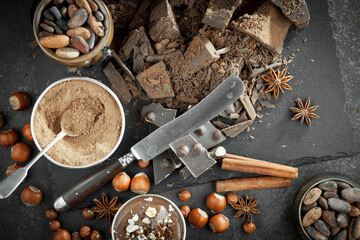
(183,151)
(198,148)
(150,116)
(165,163)
(217,134)
(200,131)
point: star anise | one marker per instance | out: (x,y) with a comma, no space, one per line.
(304,111)
(106,208)
(277,81)
(246,207)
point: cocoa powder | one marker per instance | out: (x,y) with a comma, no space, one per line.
(102,128)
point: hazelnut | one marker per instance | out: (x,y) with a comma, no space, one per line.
(150,212)
(197,218)
(219,223)
(231,198)
(51,213)
(12,168)
(140,183)
(27,132)
(54,225)
(20,152)
(31,196)
(62,234)
(184,195)
(121,182)
(75,236)
(87,213)
(95,235)
(143,164)
(19,101)
(185,210)
(216,202)
(85,231)
(8,138)
(249,227)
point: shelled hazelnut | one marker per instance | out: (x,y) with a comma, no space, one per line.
(85,232)
(19,101)
(54,225)
(27,132)
(219,223)
(20,152)
(62,234)
(231,198)
(75,236)
(249,227)
(8,138)
(184,195)
(198,218)
(143,164)
(12,168)
(140,183)
(95,235)
(185,210)
(216,202)
(121,182)
(51,213)
(31,196)
(87,213)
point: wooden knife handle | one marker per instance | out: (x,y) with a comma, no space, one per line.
(87,186)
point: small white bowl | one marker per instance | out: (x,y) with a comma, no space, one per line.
(123,208)
(101,85)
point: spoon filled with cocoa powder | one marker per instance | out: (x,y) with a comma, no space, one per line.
(78,119)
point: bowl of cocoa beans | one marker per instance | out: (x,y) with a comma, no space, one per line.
(73,32)
(328,207)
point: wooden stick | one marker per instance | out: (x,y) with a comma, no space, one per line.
(240,184)
(250,165)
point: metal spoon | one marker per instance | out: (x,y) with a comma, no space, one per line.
(10,183)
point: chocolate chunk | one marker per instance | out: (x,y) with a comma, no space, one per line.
(118,84)
(234,130)
(296,11)
(245,101)
(219,12)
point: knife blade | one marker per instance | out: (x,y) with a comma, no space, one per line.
(158,141)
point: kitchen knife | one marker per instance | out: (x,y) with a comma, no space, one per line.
(158,141)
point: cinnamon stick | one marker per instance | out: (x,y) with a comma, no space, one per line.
(240,184)
(250,165)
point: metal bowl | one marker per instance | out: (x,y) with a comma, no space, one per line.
(299,197)
(97,83)
(137,198)
(85,59)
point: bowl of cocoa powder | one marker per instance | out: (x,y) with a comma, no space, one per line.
(103,117)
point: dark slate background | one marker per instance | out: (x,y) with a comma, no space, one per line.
(330,145)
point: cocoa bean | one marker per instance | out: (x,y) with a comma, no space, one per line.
(306,208)
(48,15)
(351,194)
(328,186)
(312,196)
(80,44)
(335,230)
(342,185)
(84,4)
(322,227)
(315,234)
(341,235)
(63,12)
(58,2)
(94,7)
(311,216)
(342,220)
(329,194)
(70,1)
(356,228)
(350,229)
(329,218)
(355,212)
(99,15)
(52,24)
(67,52)
(55,41)
(62,24)
(339,205)
(47,27)
(96,26)
(78,18)
(72,9)
(91,40)
(56,12)
(79,31)
(44,34)
(322,202)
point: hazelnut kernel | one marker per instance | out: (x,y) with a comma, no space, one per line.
(54,225)
(216,202)
(51,213)
(31,196)
(87,213)
(62,234)
(197,218)
(140,183)
(143,164)
(184,195)
(185,210)
(231,198)
(121,182)
(219,223)
(75,236)
(85,232)
(96,235)
(249,227)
